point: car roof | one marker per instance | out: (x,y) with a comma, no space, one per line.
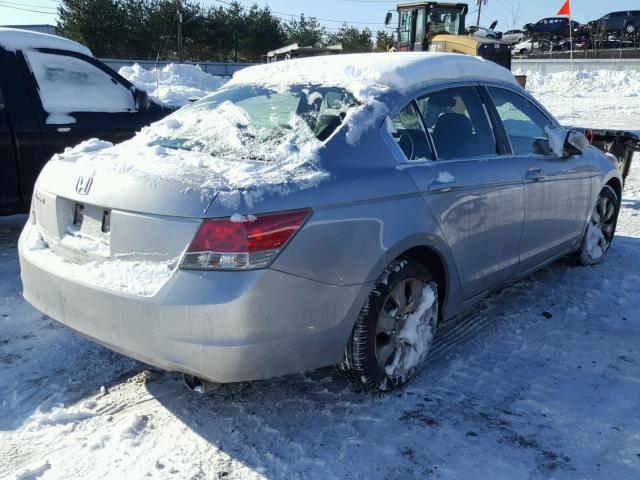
(368,75)
(13,39)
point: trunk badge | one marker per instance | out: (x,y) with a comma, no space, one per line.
(84,184)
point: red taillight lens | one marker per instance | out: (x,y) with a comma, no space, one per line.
(250,242)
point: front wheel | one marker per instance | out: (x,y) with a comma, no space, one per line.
(394,331)
(600,229)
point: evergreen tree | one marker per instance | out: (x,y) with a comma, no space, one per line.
(306,32)
(353,40)
(384,41)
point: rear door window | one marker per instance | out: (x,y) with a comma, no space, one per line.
(458,123)
(407,130)
(69,84)
(523,122)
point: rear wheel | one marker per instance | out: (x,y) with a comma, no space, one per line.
(600,229)
(394,331)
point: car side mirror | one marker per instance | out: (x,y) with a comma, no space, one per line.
(576,143)
(142,100)
(387,19)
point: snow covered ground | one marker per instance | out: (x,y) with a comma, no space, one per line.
(542,380)
(599,99)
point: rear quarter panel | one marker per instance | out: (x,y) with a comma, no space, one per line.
(364,217)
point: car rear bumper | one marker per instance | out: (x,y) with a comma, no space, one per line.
(220,326)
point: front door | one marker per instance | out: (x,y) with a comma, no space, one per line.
(475,194)
(557,190)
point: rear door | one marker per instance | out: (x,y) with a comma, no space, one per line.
(475,193)
(9,184)
(557,190)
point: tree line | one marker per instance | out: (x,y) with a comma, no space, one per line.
(146,29)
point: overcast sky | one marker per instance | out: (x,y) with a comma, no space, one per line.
(369,13)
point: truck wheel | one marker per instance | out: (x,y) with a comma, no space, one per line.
(394,331)
(600,229)
(630,29)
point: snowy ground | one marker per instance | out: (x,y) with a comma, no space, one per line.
(541,381)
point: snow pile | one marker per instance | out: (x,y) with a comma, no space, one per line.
(598,99)
(174,84)
(584,83)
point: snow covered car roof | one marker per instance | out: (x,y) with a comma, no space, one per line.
(13,39)
(365,73)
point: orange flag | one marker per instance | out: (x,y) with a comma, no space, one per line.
(565,10)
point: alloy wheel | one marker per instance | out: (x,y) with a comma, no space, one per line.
(406,326)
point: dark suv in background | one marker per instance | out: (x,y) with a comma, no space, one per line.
(626,22)
(552,26)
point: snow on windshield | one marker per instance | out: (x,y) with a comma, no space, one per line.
(238,143)
(256,123)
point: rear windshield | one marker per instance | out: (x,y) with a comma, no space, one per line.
(253,122)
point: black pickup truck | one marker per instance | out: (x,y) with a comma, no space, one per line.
(55,94)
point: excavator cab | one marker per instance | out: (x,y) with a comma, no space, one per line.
(440,27)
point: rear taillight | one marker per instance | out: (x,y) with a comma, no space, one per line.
(241,243)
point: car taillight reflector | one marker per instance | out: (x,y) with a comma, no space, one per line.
(251,242)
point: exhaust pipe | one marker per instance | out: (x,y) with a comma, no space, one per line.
(198,385)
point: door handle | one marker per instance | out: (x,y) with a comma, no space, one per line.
(534,174)
(437,186)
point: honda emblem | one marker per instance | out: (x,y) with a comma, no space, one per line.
(84,184)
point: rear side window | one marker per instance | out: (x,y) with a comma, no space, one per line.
(458,123)
(524,122)
(406,129)
(69,84)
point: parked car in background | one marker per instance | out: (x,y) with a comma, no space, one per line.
(53,95)
(624,23)
(485,32)
(514,36)
(552,26)
(525,47)
(320,211)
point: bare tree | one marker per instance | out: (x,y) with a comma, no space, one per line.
(512,22)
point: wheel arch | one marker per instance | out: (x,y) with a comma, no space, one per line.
(440,263)
(433,260)
(616,184)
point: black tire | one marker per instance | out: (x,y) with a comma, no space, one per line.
(630,29)
(600,229)
(367,363)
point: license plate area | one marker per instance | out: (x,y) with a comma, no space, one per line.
(91,222)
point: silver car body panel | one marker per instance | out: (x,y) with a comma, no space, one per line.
(492,225)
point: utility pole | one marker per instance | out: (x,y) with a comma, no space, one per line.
(179,22)
(479,3)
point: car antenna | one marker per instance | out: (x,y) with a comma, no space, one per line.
(160,48)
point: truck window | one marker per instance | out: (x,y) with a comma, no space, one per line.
(405,26)
(68,84)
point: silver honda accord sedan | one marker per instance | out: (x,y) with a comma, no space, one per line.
(314,212)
